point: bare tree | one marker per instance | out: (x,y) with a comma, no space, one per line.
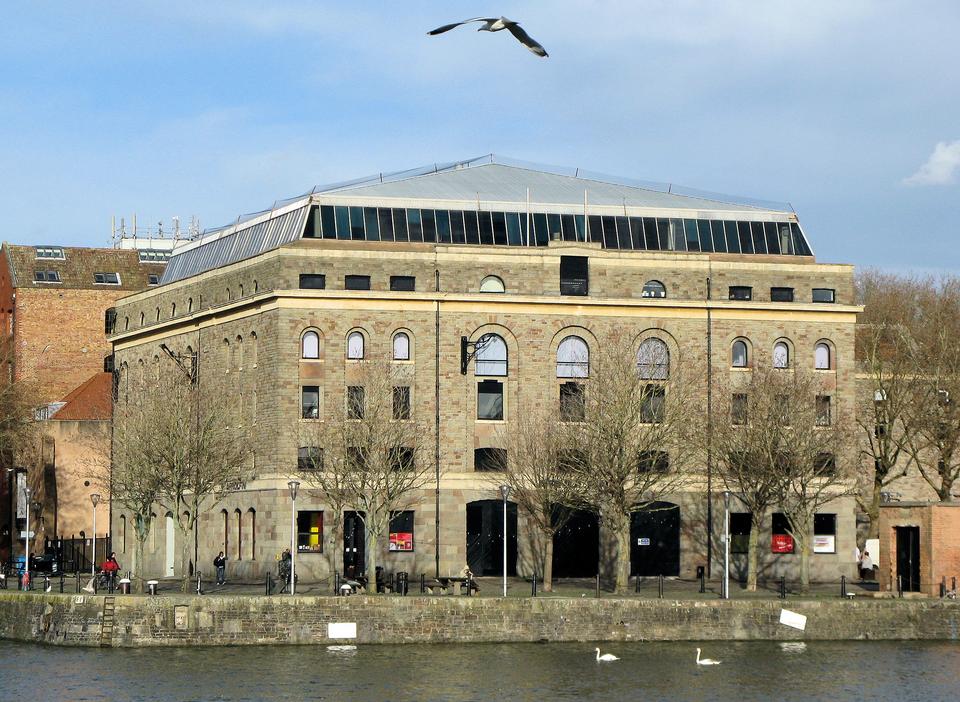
(373,458)
(326,471)
(194,449)
(629,451)
(532,463)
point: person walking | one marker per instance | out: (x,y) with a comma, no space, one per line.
(110,569)
(220,563)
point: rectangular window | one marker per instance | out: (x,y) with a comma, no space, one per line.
(429,221)
(309,459)
(823,411)
(572,406)
(738,409)
(50,252)
(443,226)
(741,292)
(652,404)
(356,224)
(356,401)
(106,278)
(328,222)
(385,222)
(373,224)
(401,531)
(153,255)
(356,282)
(403,283)
(780,539)
(46,276)
(313,281)
(400,225)
(470,224)
(413,225)
(401,402)
(739,532)
(489,460)
(824,295)
(574,275)
(310,532)
(490,399)
(310,401)
(824,533)
(153,279)
(486,227)
(781,294)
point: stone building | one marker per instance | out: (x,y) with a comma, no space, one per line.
(52,304)
(281,306)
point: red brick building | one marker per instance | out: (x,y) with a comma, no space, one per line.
(920,545)
(52,305)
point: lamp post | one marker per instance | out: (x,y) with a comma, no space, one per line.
(294,485)
(95,499)
(726,544)
(505,492)
(26,551)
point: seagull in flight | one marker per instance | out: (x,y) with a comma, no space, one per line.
(498,24)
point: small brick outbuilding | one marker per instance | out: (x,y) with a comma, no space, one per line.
(919,543)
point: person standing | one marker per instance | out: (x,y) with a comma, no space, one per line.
(866,566)
(220,563)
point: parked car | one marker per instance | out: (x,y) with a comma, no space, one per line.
(46,563)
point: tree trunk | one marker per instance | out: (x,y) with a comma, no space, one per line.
(804,544)
(873,510)
(372,548)
(753,555)
(142,530)
(946,486)
(621,583)
(186,547)
(547,584)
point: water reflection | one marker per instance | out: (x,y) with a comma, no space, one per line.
(541,673)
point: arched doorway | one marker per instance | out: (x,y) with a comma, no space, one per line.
(485,537)
(655,540)
(576,547)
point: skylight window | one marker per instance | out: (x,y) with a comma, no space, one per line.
(46,276)
(154,255)
(106,278)
(50,252)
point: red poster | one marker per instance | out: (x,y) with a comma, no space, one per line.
(401,541)
(781,543)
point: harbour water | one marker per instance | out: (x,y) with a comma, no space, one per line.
(835,671)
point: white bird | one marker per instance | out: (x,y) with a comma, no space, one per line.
(705,661)
(606,656)
(49,588)
(498,24)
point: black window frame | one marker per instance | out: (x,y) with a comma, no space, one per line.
(741,524)
(740,293)
(573,407)
(356,399)
(301,532)
(491,387)
(401,403)
(401,522)
(831,293)
(47,277)
(304,413)
(779,294)
(574,276)
(313,281)
(403,283)
(489,459)
(356,282)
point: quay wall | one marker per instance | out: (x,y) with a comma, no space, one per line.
(242,620)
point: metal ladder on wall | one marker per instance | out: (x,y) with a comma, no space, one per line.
(106,624)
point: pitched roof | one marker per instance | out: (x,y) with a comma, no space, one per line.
(78,266)
(91,400)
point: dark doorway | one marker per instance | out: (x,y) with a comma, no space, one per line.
(485,537)
(908,558)
(655,540)
(576,547)
(353,544)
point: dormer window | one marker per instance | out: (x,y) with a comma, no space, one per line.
(106,278)
(46,276)
(153,279)
(50,252)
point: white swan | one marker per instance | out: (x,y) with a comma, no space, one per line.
(705,661)
(606,656)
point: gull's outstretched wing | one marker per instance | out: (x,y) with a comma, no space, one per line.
(525,39)
(448,27)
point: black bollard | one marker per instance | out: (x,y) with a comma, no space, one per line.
(636,585)
(660,587)
(76,577)
(703,582)
(783,587)
(598,584)
(843,586)
(533,592)
(61,582)
(423,583)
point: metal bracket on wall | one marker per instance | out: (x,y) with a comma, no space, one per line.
(179,358)
(470,349)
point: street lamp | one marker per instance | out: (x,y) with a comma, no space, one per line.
(26,552)
(726,544)
(294,485)
(505,492)
(95,499)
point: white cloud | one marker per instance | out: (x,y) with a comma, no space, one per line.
(940,168)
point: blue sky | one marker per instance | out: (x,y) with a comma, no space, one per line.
(848,110)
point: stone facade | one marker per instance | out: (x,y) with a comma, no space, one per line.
(246,320)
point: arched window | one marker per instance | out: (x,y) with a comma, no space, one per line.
(141,319)
(781,355)
(173,310)
(653,360)
(226,531)
(241,289)
(189,305)
(229,295)
(401,347)
(256,288)
(123,533)
(239,352)
(238,516)
(738,354)
(253,349)
(153,531)
(491,355)
(492,284)
(252,513)
(654,288)
(158,314)
(821,356)
(573,358)
(355,342)
(310,345)
(126,323)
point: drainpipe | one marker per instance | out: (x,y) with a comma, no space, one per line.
(436,404)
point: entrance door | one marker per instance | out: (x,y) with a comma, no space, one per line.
(655,540)
(485,537)
(576,547)
(354,538)
(908,558)
(170,552)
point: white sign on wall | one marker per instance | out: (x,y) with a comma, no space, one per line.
(823,543)
(793,619)
(341,630)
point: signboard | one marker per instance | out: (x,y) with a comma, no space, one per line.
(781,543)
(401,540)
(824,543)
(25,535)
(341,630)
(21,495)
(643,541)
(793,620)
